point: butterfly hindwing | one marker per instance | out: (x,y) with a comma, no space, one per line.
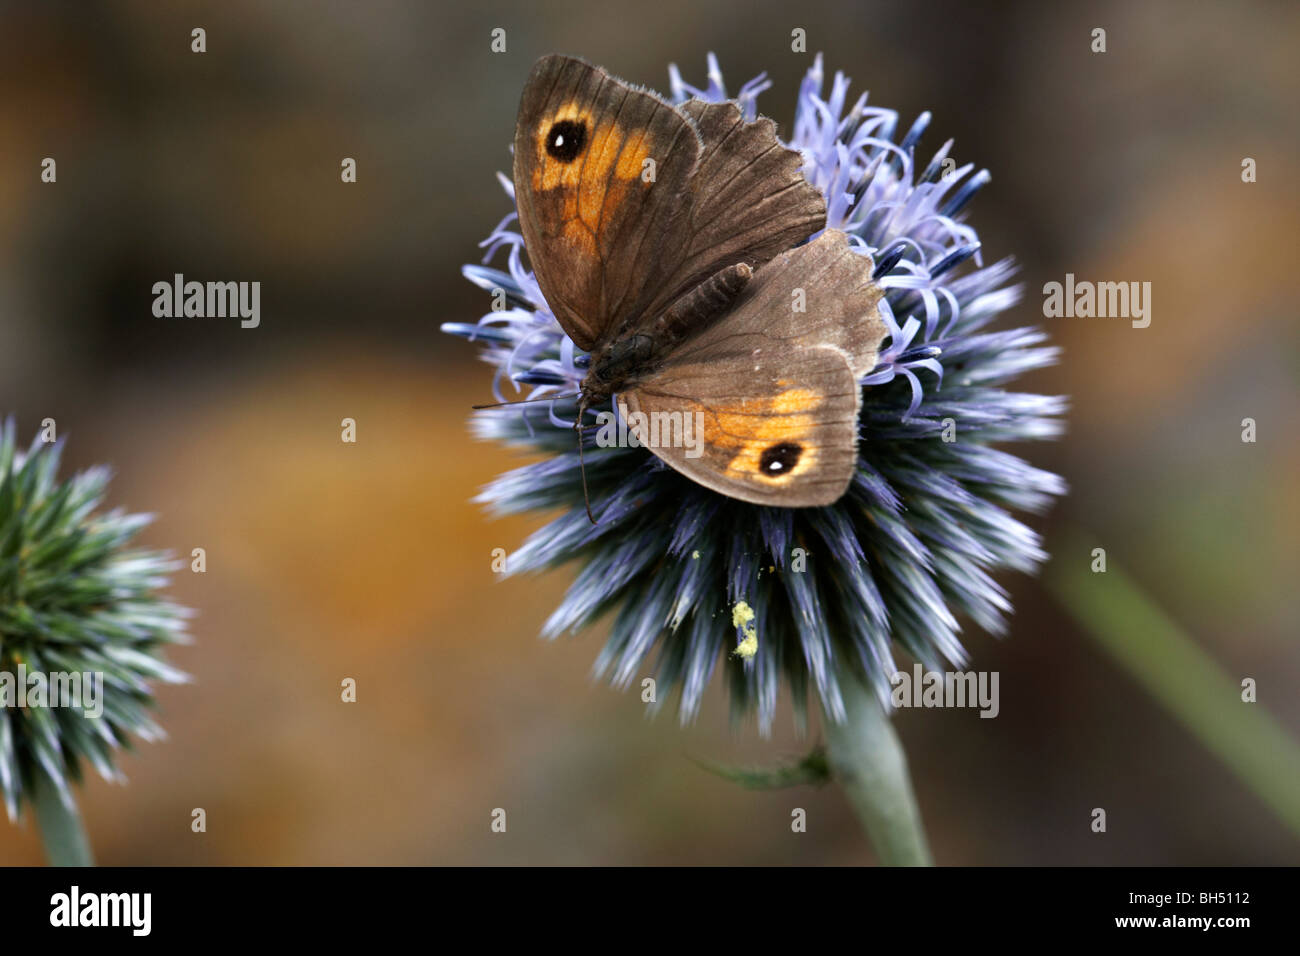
(775,382)
(775,432)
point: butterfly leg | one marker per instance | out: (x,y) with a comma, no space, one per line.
(582,463)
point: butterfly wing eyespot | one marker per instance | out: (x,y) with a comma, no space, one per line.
(780,458)
(565,140)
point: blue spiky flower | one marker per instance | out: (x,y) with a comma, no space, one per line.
(691,576)
(75,599)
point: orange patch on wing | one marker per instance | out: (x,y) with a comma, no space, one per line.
(755,425)
(631,161)
(602,154)
(598,179)
(578,235)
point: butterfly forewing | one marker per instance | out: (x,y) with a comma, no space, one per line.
(627,202)
(599,170)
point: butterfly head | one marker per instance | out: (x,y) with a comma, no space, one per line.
(620,361)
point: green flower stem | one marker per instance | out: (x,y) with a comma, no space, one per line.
(62,832)
(1168,663)
(867,759)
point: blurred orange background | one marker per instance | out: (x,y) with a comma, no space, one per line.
(328,560)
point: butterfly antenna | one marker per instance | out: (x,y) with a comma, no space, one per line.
(522,401)
(582,463)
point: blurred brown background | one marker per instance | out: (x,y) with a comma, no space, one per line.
(328,560)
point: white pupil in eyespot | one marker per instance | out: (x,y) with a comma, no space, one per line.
(559,139)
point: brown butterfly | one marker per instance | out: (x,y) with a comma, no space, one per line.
(667,242)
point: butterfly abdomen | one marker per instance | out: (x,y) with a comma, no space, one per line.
(625,357)
(704,303)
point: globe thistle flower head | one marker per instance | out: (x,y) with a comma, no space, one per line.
(695,581)
(76,602)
